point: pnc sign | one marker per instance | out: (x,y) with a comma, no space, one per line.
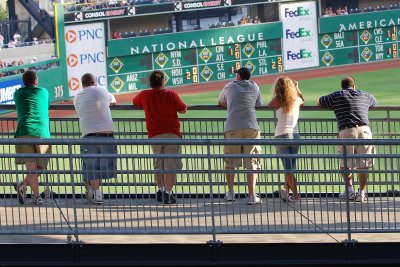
(74,84)
(72,60)
(71,36)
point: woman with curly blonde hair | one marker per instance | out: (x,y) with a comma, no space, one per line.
(287,101)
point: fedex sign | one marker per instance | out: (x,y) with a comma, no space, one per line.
(300,42)
(300,33)
(85,45)
(302,54)
(298,12)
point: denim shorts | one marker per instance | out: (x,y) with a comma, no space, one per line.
(99,168)
(288,163)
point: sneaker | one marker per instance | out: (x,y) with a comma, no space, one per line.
(159,196)
(169,198)
(291,199)
(230,196)
(37,201)
(97,197)
(48,194)
(361,198)
(284,194)
(352,195)
(21,190)
(254,200)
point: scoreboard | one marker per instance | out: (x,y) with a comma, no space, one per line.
(195,65)
(214,54)
(366,45)
(194,57)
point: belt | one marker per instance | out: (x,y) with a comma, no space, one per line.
(101,134)
(348,126)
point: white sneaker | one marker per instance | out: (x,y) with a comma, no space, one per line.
(229,196)
(97,197)
(352,195)
(254,200)
(361,197)
(284,194)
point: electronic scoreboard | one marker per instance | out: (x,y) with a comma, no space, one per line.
(196,65)
(195,57)
(358,46)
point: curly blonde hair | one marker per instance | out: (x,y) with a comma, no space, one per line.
(285,93)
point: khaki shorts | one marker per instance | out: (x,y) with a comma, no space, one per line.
(165,163)
(359,132)
(41,163)
(249,163)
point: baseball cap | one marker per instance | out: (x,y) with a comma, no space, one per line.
(243,72)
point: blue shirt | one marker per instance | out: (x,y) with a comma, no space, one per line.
(350,106)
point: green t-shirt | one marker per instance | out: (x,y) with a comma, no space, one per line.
(32,105)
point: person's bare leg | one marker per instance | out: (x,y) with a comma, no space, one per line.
(159,180)
(169,180)
(363,181)
(291,183)
(230,178)
(94,184)
(347,176)
(32,178)
(251,182)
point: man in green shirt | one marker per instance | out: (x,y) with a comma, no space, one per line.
(32,104)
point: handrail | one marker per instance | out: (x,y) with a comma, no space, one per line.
(196,107)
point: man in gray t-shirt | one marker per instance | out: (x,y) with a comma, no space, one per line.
(241,97)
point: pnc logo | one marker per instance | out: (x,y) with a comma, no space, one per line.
(74,84)
(299,12)
(72,60)
(302,54)
(71,36)
(300,33)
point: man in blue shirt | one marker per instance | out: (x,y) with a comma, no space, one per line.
(351,110)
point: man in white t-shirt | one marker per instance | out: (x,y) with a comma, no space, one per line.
(93,107)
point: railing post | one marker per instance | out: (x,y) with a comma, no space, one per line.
(210,182)
(214,243)
(345,176)
(71,164)
(392,191)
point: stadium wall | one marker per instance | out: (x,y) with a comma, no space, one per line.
(215,53)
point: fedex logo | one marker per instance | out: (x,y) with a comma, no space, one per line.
(302,54)
(299,12)
(301,33)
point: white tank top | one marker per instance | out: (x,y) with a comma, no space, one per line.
(287,122)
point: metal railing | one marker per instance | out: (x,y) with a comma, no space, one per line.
(130,206)
(313,123)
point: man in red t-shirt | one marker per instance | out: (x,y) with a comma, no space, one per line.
(160,107)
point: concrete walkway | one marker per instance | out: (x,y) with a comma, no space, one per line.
(191,221)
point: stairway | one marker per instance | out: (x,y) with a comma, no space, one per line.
(45,21)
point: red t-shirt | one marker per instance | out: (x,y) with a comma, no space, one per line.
(160,107)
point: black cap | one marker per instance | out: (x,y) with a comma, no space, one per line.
(244,73)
